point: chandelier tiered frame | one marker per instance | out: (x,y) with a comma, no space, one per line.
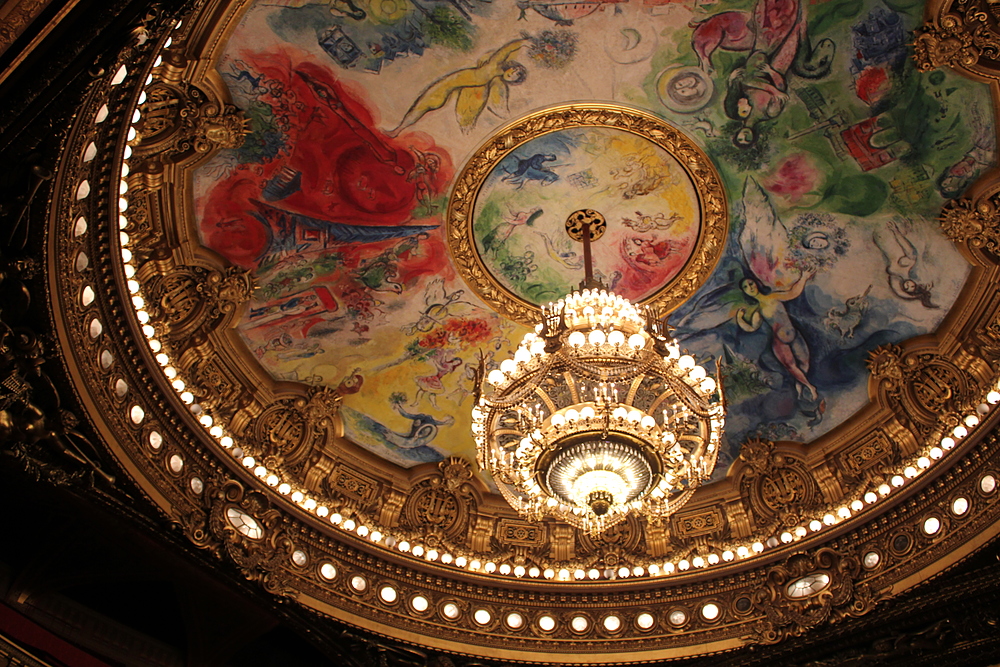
(598,414)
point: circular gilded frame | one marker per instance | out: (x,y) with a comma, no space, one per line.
(712,206)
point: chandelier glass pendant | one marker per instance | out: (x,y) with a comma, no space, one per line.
(599,413)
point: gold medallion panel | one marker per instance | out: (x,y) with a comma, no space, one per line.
(711,210)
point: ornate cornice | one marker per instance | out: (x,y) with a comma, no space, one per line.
(15,17)
(962,34)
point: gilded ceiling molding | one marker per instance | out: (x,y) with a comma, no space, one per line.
(962,34)
(808,590)
(896,497)
(925,390)
(976,225)
(35,430)
(777,486)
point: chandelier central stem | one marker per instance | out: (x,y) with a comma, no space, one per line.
(587,226)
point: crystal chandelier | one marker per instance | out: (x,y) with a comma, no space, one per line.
(599,413)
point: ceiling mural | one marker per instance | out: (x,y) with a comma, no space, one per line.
(606,170)
(835,154)
(363,201)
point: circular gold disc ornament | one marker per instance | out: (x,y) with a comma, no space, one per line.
(577,219)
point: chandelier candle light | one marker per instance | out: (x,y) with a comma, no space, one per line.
(599,413)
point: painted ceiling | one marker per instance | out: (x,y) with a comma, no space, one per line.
(835,154)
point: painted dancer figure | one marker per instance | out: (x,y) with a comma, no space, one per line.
(757,303)
(432,385)
(474,88)
(901,267)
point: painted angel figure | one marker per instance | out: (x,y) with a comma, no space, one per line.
(475,89)
(770,280)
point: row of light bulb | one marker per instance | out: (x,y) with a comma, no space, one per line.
(620,413)
(600,306)
(532,346)
(615,338)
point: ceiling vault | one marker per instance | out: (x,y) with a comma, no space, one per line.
(146,383)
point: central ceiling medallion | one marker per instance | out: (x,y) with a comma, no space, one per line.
(599,413)
(663,200)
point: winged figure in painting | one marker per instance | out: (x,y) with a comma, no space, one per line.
(756,302)
(474,89)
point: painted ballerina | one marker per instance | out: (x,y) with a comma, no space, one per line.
(431,385)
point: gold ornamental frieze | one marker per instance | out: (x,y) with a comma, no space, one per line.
(964,34)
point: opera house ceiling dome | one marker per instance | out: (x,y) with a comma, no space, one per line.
(292,240)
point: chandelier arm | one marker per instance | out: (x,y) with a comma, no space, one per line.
(698,405)
(589,370)
(527,385)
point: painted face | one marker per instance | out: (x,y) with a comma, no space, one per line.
(744,137)
(951,184)
(749,287)
(686,87)
(909,286)
(743,107)
(816,241)
(515,73)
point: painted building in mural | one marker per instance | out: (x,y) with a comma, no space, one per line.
(835,154)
